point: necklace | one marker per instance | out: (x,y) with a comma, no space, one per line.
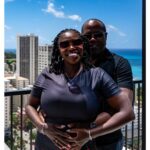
(70,79)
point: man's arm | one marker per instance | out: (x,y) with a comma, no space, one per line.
(129,94)
(124,77)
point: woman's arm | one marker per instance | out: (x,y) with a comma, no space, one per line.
(32,113)
(47,129)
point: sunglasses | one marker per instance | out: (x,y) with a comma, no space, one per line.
(95,35)
(66,44)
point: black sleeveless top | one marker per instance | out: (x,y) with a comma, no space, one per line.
(76,100)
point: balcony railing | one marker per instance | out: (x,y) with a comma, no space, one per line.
(20,128)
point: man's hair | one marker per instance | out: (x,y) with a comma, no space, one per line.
(56,65)
(94,19)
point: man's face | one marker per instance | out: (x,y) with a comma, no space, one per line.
(94,32)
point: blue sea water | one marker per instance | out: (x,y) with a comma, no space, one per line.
(134,57)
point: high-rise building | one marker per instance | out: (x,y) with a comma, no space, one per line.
(44,57)
(7,105)
(27,57)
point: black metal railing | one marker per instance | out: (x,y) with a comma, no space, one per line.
(14,134)
(132,132)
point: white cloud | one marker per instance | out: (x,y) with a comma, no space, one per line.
(7,27)
(52,10)
(60,14)
(75,17)
(115,29)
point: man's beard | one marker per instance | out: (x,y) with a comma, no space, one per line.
(95,51)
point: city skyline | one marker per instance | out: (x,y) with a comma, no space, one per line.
(45,18)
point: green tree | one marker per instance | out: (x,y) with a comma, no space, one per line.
(16,134)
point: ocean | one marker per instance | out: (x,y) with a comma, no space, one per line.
(134,57)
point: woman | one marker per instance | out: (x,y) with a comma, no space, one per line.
(68,92)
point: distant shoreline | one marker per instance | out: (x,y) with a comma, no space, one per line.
(133,55)
(10,50)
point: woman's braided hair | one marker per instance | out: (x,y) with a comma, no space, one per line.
(56,65)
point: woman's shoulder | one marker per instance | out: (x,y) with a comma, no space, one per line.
(45,76)
(52,76)
(46,73)
(41,76)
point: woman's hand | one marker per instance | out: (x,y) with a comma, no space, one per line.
(78,137)
(58,137)
(71,139)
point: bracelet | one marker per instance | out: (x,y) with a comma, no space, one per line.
(41,130)
(90,137)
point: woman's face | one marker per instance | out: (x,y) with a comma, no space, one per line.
(71,47)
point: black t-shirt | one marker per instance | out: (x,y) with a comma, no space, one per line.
(120,70)
(76,100)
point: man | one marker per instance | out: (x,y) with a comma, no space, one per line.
(116,66)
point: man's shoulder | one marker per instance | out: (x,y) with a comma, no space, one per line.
(116,58)
(114,55)
(119,59)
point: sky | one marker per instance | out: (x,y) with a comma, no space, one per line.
(45,18)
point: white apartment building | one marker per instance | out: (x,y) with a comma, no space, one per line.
(6,67)
(18,83)
(7,105)
(44,57)
(27,57)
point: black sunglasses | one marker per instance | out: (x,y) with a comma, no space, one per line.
(66,44)
(95,35)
